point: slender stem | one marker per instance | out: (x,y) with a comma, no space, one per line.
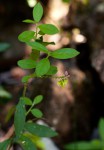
(29,110)
(25,88)
(36,31)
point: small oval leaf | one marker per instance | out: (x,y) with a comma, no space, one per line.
(38,46)
(37,12)
(26,63)
(40,130)
(42,67)
(26,78)
(28,21)
(37,99)
(26,36)
(48,29)
(26,100)
(64,53)
(37,113)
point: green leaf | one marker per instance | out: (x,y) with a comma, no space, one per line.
(19,118)
(40,130)
(26,36)
(26,143)
(96,145)
(42,67)
(4,145)
(37,12)
(79,146)
(48,29)
(52,70)
(26,78)
(37,99)
(35,55)
(26,63)
(47,43)
(26,100)
(67,1)
(10,114)
(37,113)
(28,21)
(64,53)
(38,46)
(36,140)
(4,46)
(101,128)
(4,94)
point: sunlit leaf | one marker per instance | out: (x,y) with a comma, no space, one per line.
(42,67)
(40,130)
(26,36)
(26,63)
(37,12)
(48,29)
(38,46)
(64,53)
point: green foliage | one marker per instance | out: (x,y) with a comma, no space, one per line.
(40,130)
(37,113)
(101,128)
(19,118)
(37,12)
(66,1)
(26,36)
(38,46)
(37,99)
(48,29)
(28,21)
(27,64)
(42,67)
(90,145)
(26,130)
(26,100)
(52,70)
(4,145)
(4,95)
(64,53)
(26,143)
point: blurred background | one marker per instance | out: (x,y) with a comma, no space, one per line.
(74,111)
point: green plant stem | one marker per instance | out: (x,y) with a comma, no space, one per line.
(25,88)
(36,32)
(29,110)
